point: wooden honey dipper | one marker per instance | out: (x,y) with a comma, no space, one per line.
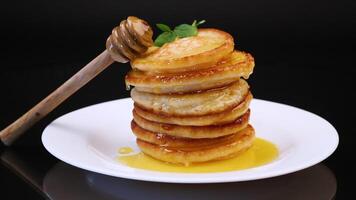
(127,41)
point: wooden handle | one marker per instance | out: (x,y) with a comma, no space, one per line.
(13,131)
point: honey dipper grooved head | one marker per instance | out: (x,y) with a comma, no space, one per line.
(129,40)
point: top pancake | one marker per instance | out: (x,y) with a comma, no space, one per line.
(205,49)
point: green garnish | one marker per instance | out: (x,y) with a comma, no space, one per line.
(180,31)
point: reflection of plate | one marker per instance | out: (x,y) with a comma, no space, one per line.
(89,138)
(66,182)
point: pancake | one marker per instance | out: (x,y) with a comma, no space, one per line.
(211,131)
(238,64)
(224,117)
(197,104)
(178,142)
(205,49)
(235,145)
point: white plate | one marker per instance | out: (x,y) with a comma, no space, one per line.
(90,137)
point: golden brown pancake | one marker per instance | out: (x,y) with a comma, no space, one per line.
(179,142)
(240,142)
(224,117)
(197,104)
(238,64)
(212,131)
(205,49)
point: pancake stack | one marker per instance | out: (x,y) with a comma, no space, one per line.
(192,100)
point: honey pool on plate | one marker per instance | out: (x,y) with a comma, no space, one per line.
(125,150)
(261,153)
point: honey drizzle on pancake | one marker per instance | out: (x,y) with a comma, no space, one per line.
(261,153)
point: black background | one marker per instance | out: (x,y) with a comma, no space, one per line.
(304,52)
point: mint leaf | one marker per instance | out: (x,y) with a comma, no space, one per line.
(165,37)
(185,30)
(199,23)
(181,31)
(163,27)
(195,23)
